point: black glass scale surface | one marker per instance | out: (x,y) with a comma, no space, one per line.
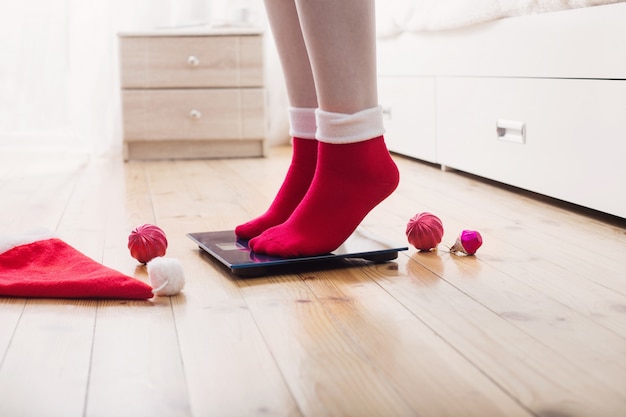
(235,254)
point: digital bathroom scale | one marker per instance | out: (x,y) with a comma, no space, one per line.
(235,254)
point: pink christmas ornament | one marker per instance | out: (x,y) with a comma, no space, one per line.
(424,231)
(147,242)
(468,242)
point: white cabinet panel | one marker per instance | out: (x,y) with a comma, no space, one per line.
(579,43)
(559,137)
(409,110)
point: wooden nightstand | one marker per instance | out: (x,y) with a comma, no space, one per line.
(193,94)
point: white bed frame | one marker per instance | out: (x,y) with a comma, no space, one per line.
(537,102)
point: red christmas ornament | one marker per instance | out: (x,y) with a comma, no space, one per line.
(424,231)
(147,242)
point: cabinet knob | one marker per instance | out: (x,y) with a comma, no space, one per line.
(193,61)
(195,114)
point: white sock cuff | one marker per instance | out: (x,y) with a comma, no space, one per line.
(302,123)
(349,128)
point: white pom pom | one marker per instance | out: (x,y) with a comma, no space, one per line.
(166,276)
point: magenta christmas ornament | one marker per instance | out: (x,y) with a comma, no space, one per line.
(424,231)
(147,242)
(468,242)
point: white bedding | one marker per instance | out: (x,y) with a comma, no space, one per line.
(397,16)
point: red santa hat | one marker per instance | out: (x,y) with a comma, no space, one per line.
(38,264)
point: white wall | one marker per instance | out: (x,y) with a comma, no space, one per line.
(59,68)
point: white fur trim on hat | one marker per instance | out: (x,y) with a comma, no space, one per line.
(9,242)
(341,128)
(166,276)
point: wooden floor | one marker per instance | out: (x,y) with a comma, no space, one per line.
(534,325)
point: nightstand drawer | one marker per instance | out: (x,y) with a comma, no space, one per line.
(194,114)
(191,61)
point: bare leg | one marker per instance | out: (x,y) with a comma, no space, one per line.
(354,170)
(283,18)
(340,37)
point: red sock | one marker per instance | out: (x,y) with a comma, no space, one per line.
(350,180)
(290,194)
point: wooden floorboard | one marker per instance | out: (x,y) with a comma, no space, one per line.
(538,377)
(229,368)
(46,367)
(534,325)
(417,361)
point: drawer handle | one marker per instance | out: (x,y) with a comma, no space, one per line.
(193,61)
(511,131)
(195,114)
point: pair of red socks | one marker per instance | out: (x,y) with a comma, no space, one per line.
(331,185)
